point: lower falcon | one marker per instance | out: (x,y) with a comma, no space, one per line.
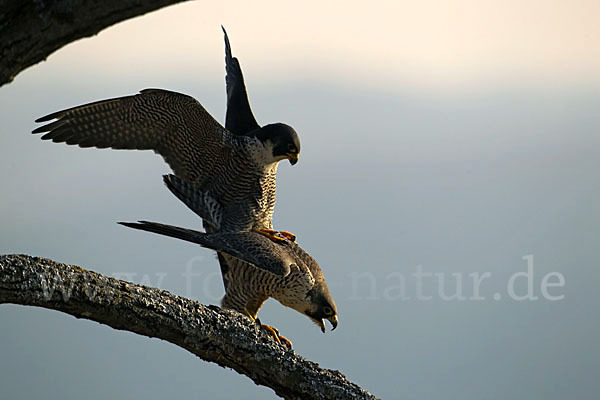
(265,268)
(281,270)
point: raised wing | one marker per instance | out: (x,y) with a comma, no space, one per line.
(172,124)
(239,119)
(251,247)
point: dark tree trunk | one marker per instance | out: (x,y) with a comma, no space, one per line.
(31,30)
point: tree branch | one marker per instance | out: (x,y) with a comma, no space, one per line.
(31,30)
(220,336)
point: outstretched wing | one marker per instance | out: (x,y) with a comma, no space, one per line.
(172,124)
(251,247)
(239,119)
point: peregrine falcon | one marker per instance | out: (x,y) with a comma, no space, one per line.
(282,269)
(236,166)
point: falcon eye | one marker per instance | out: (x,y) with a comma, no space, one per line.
(327,310)
(292,148)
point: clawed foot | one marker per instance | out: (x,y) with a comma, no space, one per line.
(278,338)
(288,235)
(276,236)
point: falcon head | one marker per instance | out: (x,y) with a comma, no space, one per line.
(283,141)
(321,307)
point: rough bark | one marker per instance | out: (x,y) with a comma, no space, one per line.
(31,30)
(220,336)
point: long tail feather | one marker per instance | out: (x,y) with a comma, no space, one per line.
(251,247)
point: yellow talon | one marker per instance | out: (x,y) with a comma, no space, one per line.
(285,341)
(278,338)
(288,235)
(273,332)
(271,234)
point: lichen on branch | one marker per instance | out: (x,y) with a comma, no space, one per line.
(224,337)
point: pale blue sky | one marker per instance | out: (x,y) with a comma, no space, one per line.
(456,136)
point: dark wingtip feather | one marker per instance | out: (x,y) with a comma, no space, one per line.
(173,183)
(168,178)
(51,127)
(179,189)
(169,183)
(48,117)
(228,56)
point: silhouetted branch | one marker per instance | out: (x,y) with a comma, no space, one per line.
(221,336)
(31,30)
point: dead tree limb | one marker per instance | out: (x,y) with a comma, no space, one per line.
(31,30)
(224,337)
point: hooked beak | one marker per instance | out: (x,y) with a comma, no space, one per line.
(321,322)
(334,322)
(293,157)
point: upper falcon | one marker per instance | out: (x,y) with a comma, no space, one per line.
(237,167)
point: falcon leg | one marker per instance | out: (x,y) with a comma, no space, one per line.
(273,332)
(278,338)
(271,234)
(276,236)
(286,342)
(288,235)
